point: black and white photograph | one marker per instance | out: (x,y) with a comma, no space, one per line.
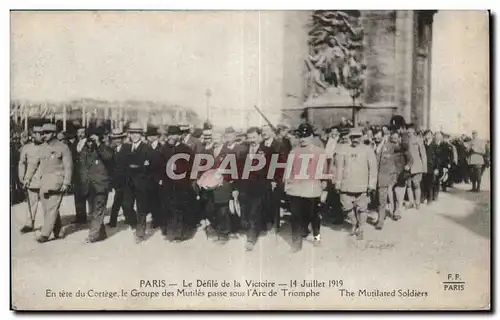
(251,160)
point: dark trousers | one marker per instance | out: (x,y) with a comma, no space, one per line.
(223,218)
(304,212)
(156,206)
(117,204)
(97,204)
(253,215)
(80,202)
(180,218)
(476,173)
(131,194)
(428,187)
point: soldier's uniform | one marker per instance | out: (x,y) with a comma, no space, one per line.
(387,172)
(477,155)
(29,153)
(356,175)
(304,193)
(55,163)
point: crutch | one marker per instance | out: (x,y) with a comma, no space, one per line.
(30,210)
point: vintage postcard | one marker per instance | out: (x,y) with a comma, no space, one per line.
(250,160)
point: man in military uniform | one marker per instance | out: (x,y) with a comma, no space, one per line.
(304,192)
(387,171)
(417,168)
(119,176)
(139,180)
(355,179)
(95,161)
(55,163)
(29,153)
(477,155)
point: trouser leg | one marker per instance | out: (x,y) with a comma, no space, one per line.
(142,212)
(255,209)
(80,203)
(314,217)
(52,220)
(129,198)
(296,208)
(400,195)
(382,203)
(96,228)
(117,204)
(223,220)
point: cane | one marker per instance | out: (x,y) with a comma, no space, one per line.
(30,210)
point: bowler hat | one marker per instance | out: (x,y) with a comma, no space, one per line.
(135,127)
(49,127)
(152,131)
(117,134)
(173,130)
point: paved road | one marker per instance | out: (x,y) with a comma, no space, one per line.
(416,253)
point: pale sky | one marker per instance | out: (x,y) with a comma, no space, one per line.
(460,74)
(176,56)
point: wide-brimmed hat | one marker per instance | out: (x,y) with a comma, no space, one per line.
(151,131)
(49,127)
(135,127)
(117,134)
(173,130)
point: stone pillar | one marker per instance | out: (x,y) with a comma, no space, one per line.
(404,43)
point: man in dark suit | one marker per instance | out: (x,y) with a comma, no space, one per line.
(444,158)
(95,159)
(139,180)
(178,188)
(119,175)
(275,191)
(153,136)
(429,177)
(76,150)
(254,184)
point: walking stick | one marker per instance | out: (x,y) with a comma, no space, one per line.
(30,210)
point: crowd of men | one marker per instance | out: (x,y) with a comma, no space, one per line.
(377,168)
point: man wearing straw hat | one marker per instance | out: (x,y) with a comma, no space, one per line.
(139,180)
(28,154)
(55,163)
(118,174)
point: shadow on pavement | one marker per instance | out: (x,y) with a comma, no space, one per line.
(478,221)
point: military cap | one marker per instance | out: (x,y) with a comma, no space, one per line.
(135,127)
(37,129)
(152,131)
(117,134)
(174,130)
(356,132)
(49,127)
(305,130)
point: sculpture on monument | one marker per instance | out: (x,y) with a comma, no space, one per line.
(335,58)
